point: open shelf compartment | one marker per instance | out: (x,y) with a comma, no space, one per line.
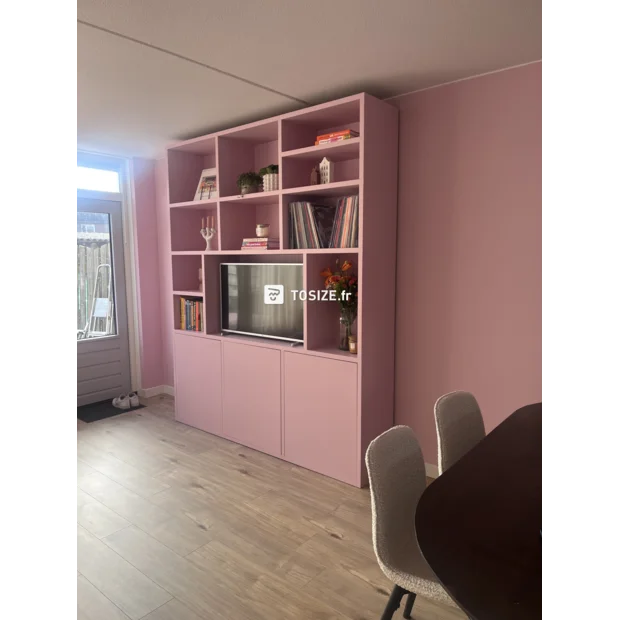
(185,274)
(328,199)
(185,164)
(322,317)
(176,312)
(300,129)
(299,133)
(185,226)
(296,172)
(240,218)
(247,149)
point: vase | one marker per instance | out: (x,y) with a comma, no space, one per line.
(347,318)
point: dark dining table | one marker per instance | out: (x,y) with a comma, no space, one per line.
(479,524)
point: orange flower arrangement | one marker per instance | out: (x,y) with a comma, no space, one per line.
(345,285)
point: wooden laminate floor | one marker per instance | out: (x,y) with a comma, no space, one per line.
(176,524)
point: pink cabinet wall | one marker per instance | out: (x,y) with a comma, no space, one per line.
(251,399)
(320,412)
(198,382)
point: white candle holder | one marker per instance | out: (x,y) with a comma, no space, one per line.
(208,234)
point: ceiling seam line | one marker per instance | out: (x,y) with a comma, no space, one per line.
(196,62)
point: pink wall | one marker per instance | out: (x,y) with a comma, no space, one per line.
(165,270)
(147,255)
(469,248)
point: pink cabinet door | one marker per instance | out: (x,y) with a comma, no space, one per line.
(251,384)
(320,416)
(198,382)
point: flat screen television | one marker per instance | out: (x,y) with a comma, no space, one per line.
(257,300)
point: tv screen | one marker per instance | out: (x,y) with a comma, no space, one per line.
(257,300)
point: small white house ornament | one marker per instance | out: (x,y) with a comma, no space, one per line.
(326,169)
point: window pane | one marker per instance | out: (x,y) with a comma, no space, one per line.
(98,180)
(95,286)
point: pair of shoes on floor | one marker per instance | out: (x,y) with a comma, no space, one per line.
(126,401)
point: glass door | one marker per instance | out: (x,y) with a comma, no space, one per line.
(103,367)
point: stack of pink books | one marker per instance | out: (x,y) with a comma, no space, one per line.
(260,243)
(336,136)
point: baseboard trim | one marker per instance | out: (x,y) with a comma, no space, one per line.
(156,391)
(432,471)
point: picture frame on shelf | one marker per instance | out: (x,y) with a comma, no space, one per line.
(207,185)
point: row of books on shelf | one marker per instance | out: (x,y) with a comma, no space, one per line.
(336,136)
(260,243)
(191,314)
(321,226)
(346,223)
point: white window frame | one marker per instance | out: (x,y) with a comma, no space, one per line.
(124,168)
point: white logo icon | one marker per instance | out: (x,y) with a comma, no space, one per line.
(274,294)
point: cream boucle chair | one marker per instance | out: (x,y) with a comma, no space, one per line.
(397,480)
(459,427)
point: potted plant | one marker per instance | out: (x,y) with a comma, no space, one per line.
(271,178)
(249,182)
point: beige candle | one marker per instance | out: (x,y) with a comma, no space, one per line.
(353,344)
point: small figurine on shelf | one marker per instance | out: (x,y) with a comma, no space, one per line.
(208,232)
(314,176)
(327,170)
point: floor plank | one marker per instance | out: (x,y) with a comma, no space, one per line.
(124,502)
(128,588)
(119,471)
(179,533)
(173,610)
(92,605)
(97,518)
(212,593)
(179,524)
(267,593)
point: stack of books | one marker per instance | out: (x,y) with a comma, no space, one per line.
(346,223)
(336,136)
(260,243)
(191,314)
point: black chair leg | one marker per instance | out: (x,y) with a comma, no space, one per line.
(409,605)
(393,602)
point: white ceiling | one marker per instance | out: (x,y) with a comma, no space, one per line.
(152,71)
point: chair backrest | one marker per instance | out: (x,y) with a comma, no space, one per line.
(459,427)
(397,479)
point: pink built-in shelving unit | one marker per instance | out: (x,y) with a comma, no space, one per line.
(313,405)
